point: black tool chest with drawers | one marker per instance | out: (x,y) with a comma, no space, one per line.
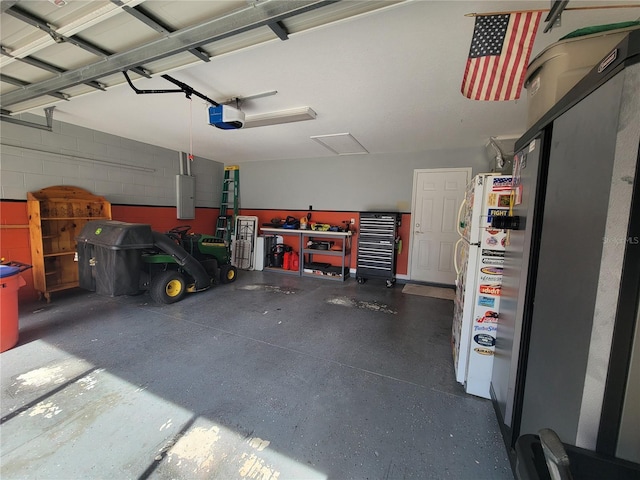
(377,246)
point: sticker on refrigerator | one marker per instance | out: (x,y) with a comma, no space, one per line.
(501,184)
(486,301)
(504,201)
(489,278)
(485,328)
(485,340)
(490,289)
(496,212)
(489,317)
(493,261)
(483,351)
(492,241)
(492,200)
(491,270)
(492,253)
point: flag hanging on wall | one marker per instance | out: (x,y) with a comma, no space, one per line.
(499,55)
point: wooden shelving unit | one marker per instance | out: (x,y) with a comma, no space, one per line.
(57,215)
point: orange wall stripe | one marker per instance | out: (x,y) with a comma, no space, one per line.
(14,242)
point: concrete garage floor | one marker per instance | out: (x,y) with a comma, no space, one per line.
(271,377)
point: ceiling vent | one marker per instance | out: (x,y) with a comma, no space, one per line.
(340,143)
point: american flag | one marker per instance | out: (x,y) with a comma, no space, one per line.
(499,55)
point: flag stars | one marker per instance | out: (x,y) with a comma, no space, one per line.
(488,35)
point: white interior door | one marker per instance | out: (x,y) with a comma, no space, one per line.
(437,194)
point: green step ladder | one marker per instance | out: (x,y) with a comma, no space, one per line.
(225,225)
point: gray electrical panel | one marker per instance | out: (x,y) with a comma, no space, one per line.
(186,196)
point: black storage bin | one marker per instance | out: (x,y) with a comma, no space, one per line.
(110,256)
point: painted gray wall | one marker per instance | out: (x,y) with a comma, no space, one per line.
(350,182)
(354,183)
(104,164)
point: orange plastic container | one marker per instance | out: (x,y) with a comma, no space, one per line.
(10,282)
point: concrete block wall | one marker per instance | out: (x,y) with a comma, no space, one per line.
(123,171)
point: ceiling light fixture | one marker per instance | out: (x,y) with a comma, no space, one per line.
(278,117)
(340,143)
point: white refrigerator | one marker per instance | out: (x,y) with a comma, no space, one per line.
(479,259)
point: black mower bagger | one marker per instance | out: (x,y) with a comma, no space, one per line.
(118,258)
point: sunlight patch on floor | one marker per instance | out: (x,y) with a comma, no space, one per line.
(64,409)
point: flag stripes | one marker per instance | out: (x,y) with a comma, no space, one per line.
(499,55)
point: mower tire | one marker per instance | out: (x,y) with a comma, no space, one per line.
(228,273)
(168,287)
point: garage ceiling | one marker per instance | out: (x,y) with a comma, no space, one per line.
(387,72)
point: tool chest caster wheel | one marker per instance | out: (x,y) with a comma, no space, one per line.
(361,280)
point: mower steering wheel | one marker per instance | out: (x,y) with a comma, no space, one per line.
(180,230)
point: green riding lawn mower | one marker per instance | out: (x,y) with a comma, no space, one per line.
(118,258)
